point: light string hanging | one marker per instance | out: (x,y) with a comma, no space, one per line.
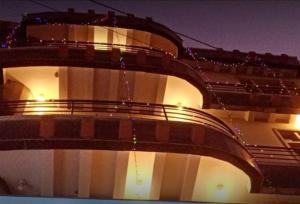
(234,65)
(127,98)
(259,62)
(11,39)
(189,51)
(219,100)
(122,63)
(267,180)
(214,62)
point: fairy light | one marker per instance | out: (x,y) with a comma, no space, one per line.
(10,40)
(219,100)
(127,98)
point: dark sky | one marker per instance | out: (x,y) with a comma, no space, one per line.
(247,25)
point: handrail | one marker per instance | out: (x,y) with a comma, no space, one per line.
(274,155)
(135,109)
(97,45)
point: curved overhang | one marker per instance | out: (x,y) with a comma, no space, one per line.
(69,132)
(144,60)
(109,19)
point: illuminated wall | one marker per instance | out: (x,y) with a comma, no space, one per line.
(139,175)
(41,81)
(181,93)
(220,181)
(87,33)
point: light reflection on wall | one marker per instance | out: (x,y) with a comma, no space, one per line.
(101,34)
(41,81)
(139,175)
(181,93)
(219,181)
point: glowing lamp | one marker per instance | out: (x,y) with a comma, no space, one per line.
(179,106)
(41,98)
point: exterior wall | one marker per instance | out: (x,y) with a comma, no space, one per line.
(257,132)
(83,33)
(103,84)
(39,80)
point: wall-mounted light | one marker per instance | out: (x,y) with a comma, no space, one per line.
(41,98)
(39,108)
(179,106)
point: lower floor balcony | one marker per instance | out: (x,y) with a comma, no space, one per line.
(122,150)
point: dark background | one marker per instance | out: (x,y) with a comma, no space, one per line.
(260,26)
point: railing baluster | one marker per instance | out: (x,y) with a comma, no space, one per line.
(170,112)
(72,107)
(165,113)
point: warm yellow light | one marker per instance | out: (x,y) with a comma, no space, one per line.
(179,106)
(40,109)
(219,181)
(180,91)
(139,175)
(41,98)
(297,121)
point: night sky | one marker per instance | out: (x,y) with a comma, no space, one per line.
(260,26)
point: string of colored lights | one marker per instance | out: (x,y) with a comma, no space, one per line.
(207,44)
(128,99)
(219,100)
(11,40)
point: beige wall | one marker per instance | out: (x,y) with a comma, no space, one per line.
(181,93)
(98,34)
(212,180)
(257,132)
(39,80)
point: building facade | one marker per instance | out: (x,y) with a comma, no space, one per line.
(115,107)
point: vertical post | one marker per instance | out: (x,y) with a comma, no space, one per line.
(1,90)
(1,83)
(165,113)
(72,107)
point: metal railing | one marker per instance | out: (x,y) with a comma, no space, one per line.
(97,46)
(114,109)
(274,155)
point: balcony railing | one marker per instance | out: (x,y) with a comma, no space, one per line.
(114,109)
(275,155)
(97,46)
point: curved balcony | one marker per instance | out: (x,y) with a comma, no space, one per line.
(98,46)
(114,108)
(82,54)
(108,125)
(110,19)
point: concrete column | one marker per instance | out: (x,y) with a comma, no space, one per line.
(47,126)
(120,174)
(158,172)
(162,131)
(189,178)
(1,83)
(125,129)
(87,129)
(84,180)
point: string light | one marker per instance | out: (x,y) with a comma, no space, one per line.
(219,100)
